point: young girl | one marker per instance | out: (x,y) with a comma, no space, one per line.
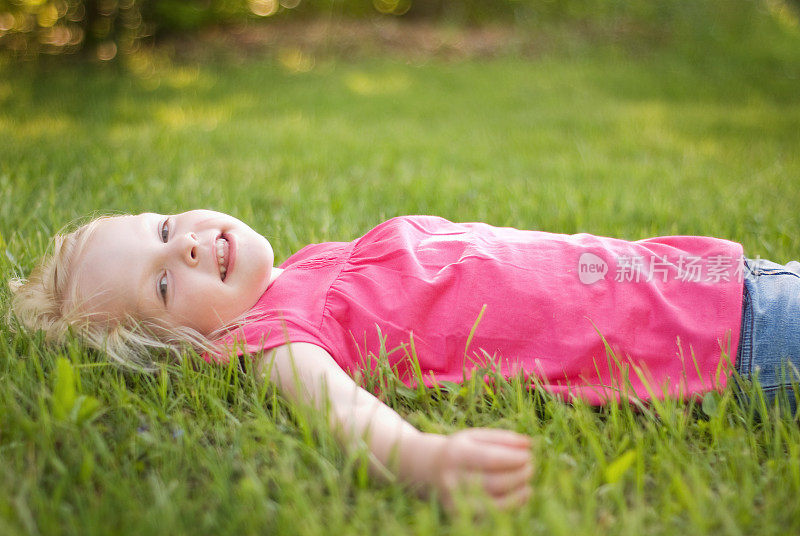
(582,316)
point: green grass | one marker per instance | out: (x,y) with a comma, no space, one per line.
(607,140)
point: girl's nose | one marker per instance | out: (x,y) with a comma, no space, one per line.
(189,249)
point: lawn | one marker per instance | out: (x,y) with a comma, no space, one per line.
(626,141)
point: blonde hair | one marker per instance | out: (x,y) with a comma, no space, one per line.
(47,301)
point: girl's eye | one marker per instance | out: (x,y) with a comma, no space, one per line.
(165,231)
(162,287)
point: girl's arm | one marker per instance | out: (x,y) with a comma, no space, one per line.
(499,461)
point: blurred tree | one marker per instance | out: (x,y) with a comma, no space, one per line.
(106,29)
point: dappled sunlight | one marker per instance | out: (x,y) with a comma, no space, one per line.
(185,115)
(702,129)
(392,7)
(153,70)
(784,14)
(263,8)
(147,67)
(187,76)
(182,117)
(295,60)
(42,126)
(363,83)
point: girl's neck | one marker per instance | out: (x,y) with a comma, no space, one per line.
(274,275)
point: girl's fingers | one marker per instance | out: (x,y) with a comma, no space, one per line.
(488,457)
(498,462)
(501,483)
(514,499)
(503,437)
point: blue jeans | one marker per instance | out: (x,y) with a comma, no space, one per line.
(769,348)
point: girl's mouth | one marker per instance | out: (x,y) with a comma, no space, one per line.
(223,255)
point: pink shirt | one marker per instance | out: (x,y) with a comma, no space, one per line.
(667,307)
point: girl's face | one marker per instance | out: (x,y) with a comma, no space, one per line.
(153,266)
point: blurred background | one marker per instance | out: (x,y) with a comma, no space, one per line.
(108,30)
(318,118)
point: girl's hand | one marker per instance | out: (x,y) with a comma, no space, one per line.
(498,461)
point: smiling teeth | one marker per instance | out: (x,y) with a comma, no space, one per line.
(222,253)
